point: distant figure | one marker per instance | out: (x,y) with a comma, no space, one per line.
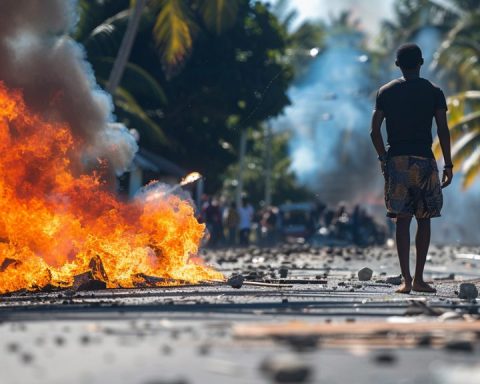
(245,213)
(412,185)
(213,220)
(232,220)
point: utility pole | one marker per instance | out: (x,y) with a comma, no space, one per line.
(268,164)
(126,47)
(241,167)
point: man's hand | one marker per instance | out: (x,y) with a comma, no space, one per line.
(447,177)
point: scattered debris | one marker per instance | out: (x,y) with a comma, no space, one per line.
(394,280)
(467,291)
(87,282)
(300,343)
(283,272)
(286,369)
(365,274)
(459,346)
(421,308)
(450,316)
(236,281)
(385,357)
(8,262)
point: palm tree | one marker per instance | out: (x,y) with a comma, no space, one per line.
(459,59)
(410,17)
(100,30)
(456,63)
(177,24)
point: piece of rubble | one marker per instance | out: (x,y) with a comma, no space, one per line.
(283,272)
(8,262)
(394,280)
(365,274)
(385,358)
(450,316)
(459,346)
(286,369)
(97,268)
(467,291)
(236,281)
(87,282)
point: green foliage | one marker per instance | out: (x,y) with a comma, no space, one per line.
(411,16)
(464,124)
(284,183)
(179,22)
(100,29)
(457,63)
(173,31)
(229,67)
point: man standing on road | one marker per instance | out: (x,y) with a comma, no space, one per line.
(412,185)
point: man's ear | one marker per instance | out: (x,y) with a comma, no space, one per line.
(396,63)
(422,61)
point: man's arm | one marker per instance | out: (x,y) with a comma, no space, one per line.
(376,134)
(444,138)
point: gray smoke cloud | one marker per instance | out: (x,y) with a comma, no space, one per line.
(38,57)
(329,120)
(330,146)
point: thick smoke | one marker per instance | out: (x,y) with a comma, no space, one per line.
(460,221)
(37,56)
(330,146)
(329,120)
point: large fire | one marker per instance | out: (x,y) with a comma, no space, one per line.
(55,224)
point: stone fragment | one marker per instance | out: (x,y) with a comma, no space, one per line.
(459,346)
(236,281)
(97,268)
(8,262)
(450,316)
(385,358)
(286,369)
(365,274)
(394,280)
(283,272)
(467,291)
(87,282)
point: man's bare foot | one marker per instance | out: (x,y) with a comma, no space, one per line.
(422,286)
(406,287)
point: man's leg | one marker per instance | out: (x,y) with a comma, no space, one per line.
(422,242)
(403,249)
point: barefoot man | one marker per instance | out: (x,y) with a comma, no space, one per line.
(412,185)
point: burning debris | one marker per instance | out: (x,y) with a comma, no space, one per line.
(65,230)
(61,226)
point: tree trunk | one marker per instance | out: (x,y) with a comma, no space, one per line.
(126,47)
(268,165)
(241,167)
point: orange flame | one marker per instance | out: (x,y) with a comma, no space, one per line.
(190,178)
(53,223)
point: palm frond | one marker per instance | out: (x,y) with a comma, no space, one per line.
(461,122)
(127,103)
(471,169)
(466,146)
(105,39)
(219,15)
(173,32)
(134,78)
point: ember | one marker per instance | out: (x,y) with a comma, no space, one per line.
(57,224)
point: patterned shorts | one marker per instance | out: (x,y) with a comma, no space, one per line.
(412,187)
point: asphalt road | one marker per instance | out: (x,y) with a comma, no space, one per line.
(334,328)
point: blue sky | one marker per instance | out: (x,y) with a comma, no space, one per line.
(370,12)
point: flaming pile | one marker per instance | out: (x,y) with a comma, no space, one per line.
(58,226)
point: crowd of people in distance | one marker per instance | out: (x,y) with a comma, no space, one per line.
(229,225)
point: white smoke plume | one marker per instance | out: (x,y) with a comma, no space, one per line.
(38,57)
